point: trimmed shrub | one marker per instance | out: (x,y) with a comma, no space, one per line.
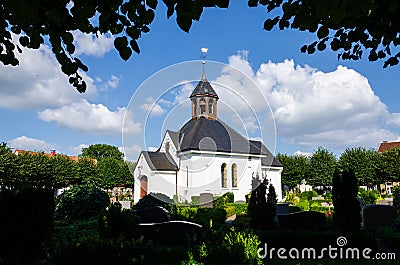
(230,210)
(294,209)
(396,198)
(368,196)
(116,221)
(80,202)
(195,200)
(230,197)
(204,215)
(185,213)
(240,208)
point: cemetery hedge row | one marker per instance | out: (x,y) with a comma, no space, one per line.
(52,172)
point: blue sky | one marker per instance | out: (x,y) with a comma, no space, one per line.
(316,100)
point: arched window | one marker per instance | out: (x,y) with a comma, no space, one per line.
(210,105)
(234,175)
(224,179)
(202,106)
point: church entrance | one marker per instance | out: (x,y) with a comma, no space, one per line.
(143,186)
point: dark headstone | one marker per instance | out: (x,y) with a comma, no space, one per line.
(281,208)
(206,200)
(172,232)
(308,220)
(375,216)
(155,214)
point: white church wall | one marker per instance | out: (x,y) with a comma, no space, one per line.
(202,173)
(172,147)
(273,174)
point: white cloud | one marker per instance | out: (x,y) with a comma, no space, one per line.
(152,148)
(89,44)
(131,152)
(311,108)
(30,144)
(78,149)
(91,118)
(37,82)
(152,107)
(300,153)
(111,83)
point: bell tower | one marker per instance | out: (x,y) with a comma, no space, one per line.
(204,99)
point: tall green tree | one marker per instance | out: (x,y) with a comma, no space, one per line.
(64,171)
(322,166)
(113,172)
(34,171)
(86,171)
(295,169)
(8,166)
(100,151)
(389,165)
(363,162)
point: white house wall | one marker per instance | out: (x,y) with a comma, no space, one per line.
(204,174)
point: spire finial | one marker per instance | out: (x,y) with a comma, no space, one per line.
(203,56)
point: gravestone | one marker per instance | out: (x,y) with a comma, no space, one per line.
(281,208)
(155,214)
(172,232)
(375,215)
(206,200)
(308,220)
(125,204)
(386,201)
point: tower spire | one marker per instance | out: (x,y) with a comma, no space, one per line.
(203,62)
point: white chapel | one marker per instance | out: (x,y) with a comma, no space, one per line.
(205,156)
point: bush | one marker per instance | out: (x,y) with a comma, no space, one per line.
(241,222)
(241,247)
(368,196)
(116,221)
(241,208)
(195,200)
(219,202)
(294,209)
(185,213)
(396,198)
(80,202)
(307,195)
(204,215)
(230,210)
(230,197)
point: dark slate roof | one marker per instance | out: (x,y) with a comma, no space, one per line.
(204,88)
(174,137)
(270,159)
(160,161)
